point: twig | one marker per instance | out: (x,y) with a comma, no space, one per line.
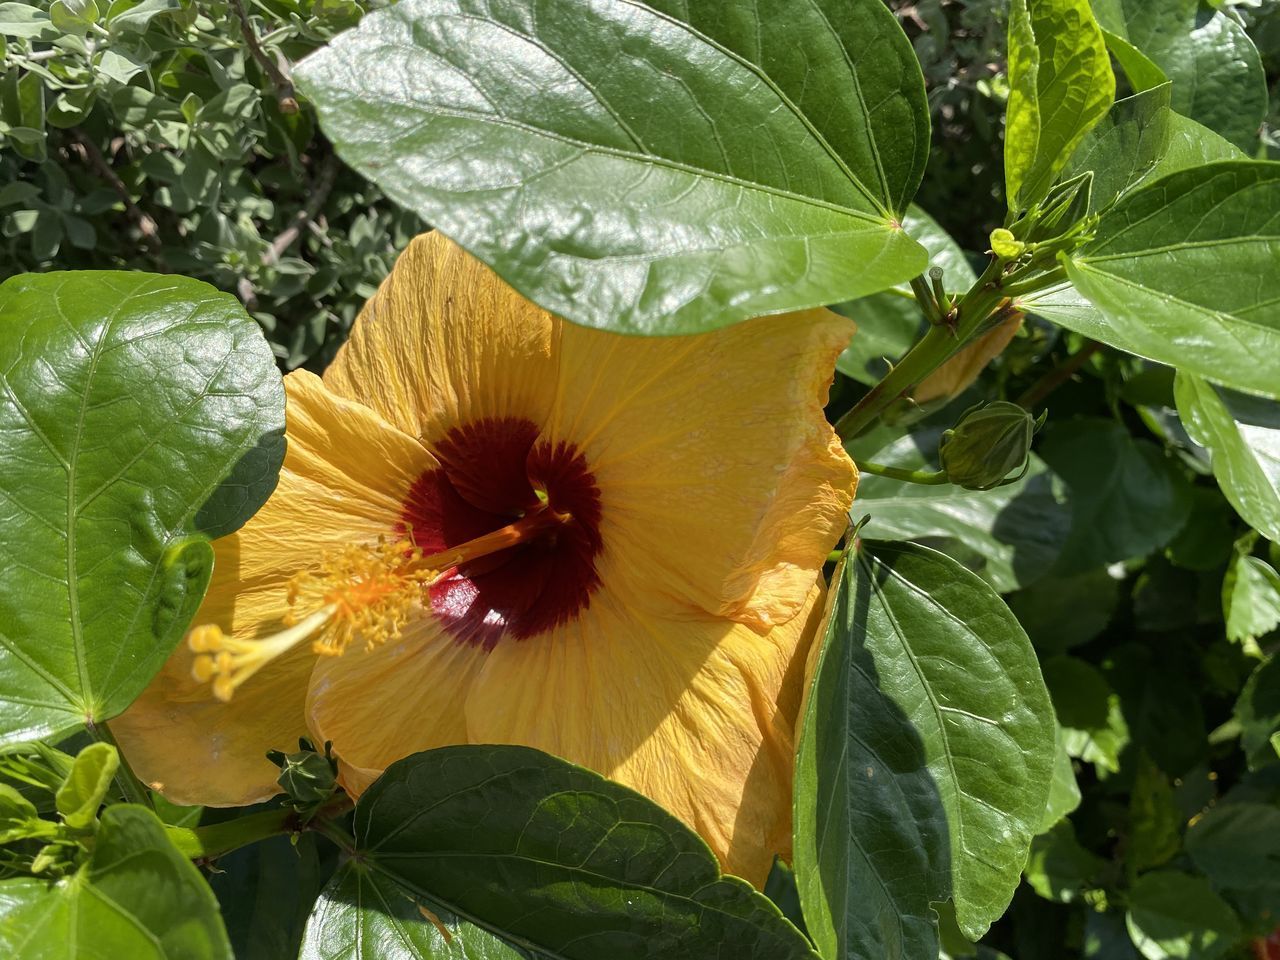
(320,190)
(142,220)
(1059,375)
(280,78)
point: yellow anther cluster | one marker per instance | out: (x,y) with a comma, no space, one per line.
(366,592)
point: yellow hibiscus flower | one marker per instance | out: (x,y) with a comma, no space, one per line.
(518,530)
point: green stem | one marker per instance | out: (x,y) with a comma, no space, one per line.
(932,350)
(924,297)
(928,477)
(207,843)
(133,789)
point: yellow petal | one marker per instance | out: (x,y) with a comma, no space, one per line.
(384,704)
(721,483)
(956,375)
(445,342)
(345,475)
(685,711)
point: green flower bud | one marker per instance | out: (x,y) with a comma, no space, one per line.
(1005,245)
(308,777)
(987,444)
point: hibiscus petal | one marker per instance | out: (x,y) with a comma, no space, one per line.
(445,342)
(720,481)
(697,714)
(345,475)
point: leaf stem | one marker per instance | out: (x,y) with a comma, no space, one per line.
(938,344)
(207,843)
(925,299)
(127,782)
(928,477)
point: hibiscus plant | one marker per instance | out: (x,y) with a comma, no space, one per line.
(608,595)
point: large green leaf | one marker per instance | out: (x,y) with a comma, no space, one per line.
(1060,85)
(622,169)
(1244,434)
(557,859)
(1010,536)
(1182,271)
(141,416)
(1217,75)
(858,80)
(925,757)
(1127,497)
(1125,146)
(1175,916)
(136,897)
(363,915)
(891,321)
(1250,598)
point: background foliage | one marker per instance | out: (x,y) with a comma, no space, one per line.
(165,135)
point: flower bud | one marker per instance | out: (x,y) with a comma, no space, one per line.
(987,444)
(308,777)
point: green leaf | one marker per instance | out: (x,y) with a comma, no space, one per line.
(86,787)
(1125,146)
(1244,434)
(1059,613)
(1064,791)
(890,322)
(135,897)
(1059,868)
(925,757)
(1258,713)
(141,416)
(1173,915)
(558,859)
(1155,822)
(1217,75)
(1139,69)
(859,80)
(25,20)
(1088,710)
(1192,145)
(73,16)
(1250,598)
(362,915)
(1127,497)
(1182,272)
(1237,846)
(1010,536)
(658,184)
(1060,85)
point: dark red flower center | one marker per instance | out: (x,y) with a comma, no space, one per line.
(493,472)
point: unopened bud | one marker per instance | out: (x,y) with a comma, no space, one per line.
(987,444)
(308,777)
(1005,245)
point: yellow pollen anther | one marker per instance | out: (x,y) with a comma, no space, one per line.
(365,592)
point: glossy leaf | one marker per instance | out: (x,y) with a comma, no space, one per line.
(1125,146)
(925,758)
(362,915)
(135,897)
(1250,598)
(1064,791)
(1182,272)
(1243,432)
(79,798)
(1217,75)
(141,416)
(1127,498)
(1010,536)
(1175,915)
(859,81)
(890,322)
(560,860)
(1060,85)
(657,185)
(1258,713)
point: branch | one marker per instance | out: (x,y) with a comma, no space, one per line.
(141,219)
(278,77)
(1059,375)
